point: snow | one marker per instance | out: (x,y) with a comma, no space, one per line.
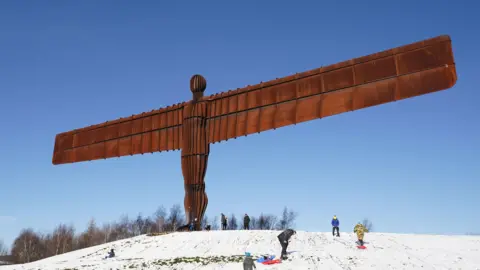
(309,250)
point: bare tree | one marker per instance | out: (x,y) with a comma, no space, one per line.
(215,223)
(232,223)
(94,233)
(367,224)
(60,241)
(260,222)
(204,222)
(27,247)
(264,222)
(175,218)
(287,220)
(160,217)
(254,223)
(92,236)
(3,249)
(30,246)
(138,225)
(107,232)
(149,225)
(270,222)
(124,228)
(112,232)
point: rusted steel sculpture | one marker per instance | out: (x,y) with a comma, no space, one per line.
(404,72)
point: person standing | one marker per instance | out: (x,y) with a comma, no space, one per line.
(224,222)
(360,230)
(284,239)
(190,226)
(335,224)
(246,222)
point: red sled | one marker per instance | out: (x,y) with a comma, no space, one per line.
(272,262)
(361,247)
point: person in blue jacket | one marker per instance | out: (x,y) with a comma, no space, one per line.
(335,224)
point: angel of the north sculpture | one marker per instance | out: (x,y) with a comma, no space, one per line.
(416,69)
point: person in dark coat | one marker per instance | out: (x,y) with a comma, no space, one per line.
(335,224)
(248,263)
(111,254)
(284,239)
(224,222)
(246,222)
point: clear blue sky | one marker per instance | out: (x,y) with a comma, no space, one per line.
(410,166)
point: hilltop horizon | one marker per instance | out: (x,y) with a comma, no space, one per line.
(226,249)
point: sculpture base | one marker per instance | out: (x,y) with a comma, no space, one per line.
(195,204)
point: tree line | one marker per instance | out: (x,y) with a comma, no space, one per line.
(30,246)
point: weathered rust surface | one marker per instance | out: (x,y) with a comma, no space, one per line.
(404,72)
(155,131)
(195,153)
(392,75)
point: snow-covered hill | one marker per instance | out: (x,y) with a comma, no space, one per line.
(225,249)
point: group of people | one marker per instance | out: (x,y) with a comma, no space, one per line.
(359,229)
(224,222)
(283,238)
(246,222)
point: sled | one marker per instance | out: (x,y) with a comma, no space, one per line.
(272,262)
(263,259)
(361,247)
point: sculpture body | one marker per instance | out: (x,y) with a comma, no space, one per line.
(404,72)
(195,153)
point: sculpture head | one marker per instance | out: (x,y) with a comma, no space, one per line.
(198,84)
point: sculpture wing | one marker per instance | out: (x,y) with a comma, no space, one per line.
(155,131)
(411,70)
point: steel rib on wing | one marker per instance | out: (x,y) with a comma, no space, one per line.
(155,131)
(407,71)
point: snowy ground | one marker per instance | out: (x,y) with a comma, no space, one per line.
(309,251)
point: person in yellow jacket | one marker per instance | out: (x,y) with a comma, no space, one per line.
(360,230)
